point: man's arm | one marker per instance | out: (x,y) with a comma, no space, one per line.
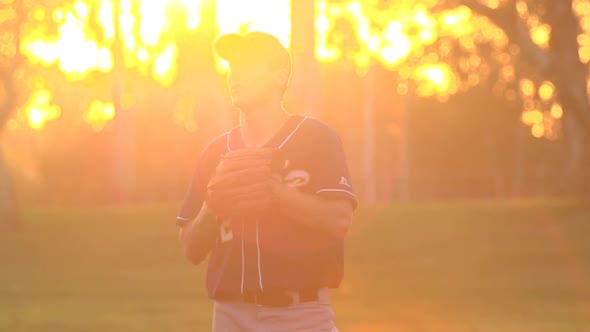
(333,216)
(199,235)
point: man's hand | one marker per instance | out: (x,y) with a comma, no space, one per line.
(242,185)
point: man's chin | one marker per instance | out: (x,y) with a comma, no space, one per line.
(241,104)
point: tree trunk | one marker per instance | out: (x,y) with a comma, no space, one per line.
(404,183)
(304,91)
(559,64)
(123,148)
(8,209)
(570,78)
(369,129)
(517,180)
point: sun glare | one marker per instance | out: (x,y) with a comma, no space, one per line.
(556,111)
(538,130)
(437,79)
(39,109)
(541,34)
(546,90)
(99,114)
(532,117)
(79,50)
(399,36)
(238,16)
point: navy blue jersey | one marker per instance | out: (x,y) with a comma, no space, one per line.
(273,251)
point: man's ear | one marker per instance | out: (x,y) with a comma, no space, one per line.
(282,76)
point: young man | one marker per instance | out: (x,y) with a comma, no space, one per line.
(271,201)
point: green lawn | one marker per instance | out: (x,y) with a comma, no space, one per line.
(467,266)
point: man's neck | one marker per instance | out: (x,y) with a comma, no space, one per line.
(259,125)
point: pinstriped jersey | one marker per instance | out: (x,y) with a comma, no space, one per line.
(273,251)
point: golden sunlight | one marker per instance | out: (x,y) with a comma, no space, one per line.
(546,90)
(581,7)
(391,34)
(556,111)
(388,35)
(153,21)
(364,32)
(184,113)
(541,34)
(238,16)
(99,114)
(492,4)
(532,117)
(12,125)
(438,79)
(527,87)
(77,49)
(538,130)
(39,109)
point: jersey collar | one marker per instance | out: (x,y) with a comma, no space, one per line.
(278,140)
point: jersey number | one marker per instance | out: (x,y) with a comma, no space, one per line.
(225,232)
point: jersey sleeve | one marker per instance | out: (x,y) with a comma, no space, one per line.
(195,195)
(330,175)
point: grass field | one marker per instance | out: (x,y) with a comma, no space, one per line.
(476,266)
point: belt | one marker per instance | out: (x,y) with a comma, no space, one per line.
(280,298)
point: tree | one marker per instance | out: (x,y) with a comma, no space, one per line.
(113,55)
(534,50)
(560,64)
(11,19)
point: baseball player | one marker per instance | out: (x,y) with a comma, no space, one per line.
(270,202)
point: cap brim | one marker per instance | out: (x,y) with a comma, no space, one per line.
(228,45)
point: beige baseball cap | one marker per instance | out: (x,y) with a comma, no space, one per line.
(259,45)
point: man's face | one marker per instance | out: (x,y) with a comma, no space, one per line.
(251,81)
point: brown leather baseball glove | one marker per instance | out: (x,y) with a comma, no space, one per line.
(242,185)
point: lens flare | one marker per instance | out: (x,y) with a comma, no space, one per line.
(270,16)
(78,49)
(99,114)
(83,43)
(532,117)
(556,111)
(394,33)
(398,35)
(541,34)
(436,79)
(39,109)
(546,90)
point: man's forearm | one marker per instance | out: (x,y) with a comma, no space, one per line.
(198,236)
(330,216)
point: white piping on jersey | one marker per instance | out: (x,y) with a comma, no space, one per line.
(257,238)
(258,251)
(293,132)
(243,260)
(228,135)
(336,190)
(182,218)
(280,146)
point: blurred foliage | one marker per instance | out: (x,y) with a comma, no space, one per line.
(482,61)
